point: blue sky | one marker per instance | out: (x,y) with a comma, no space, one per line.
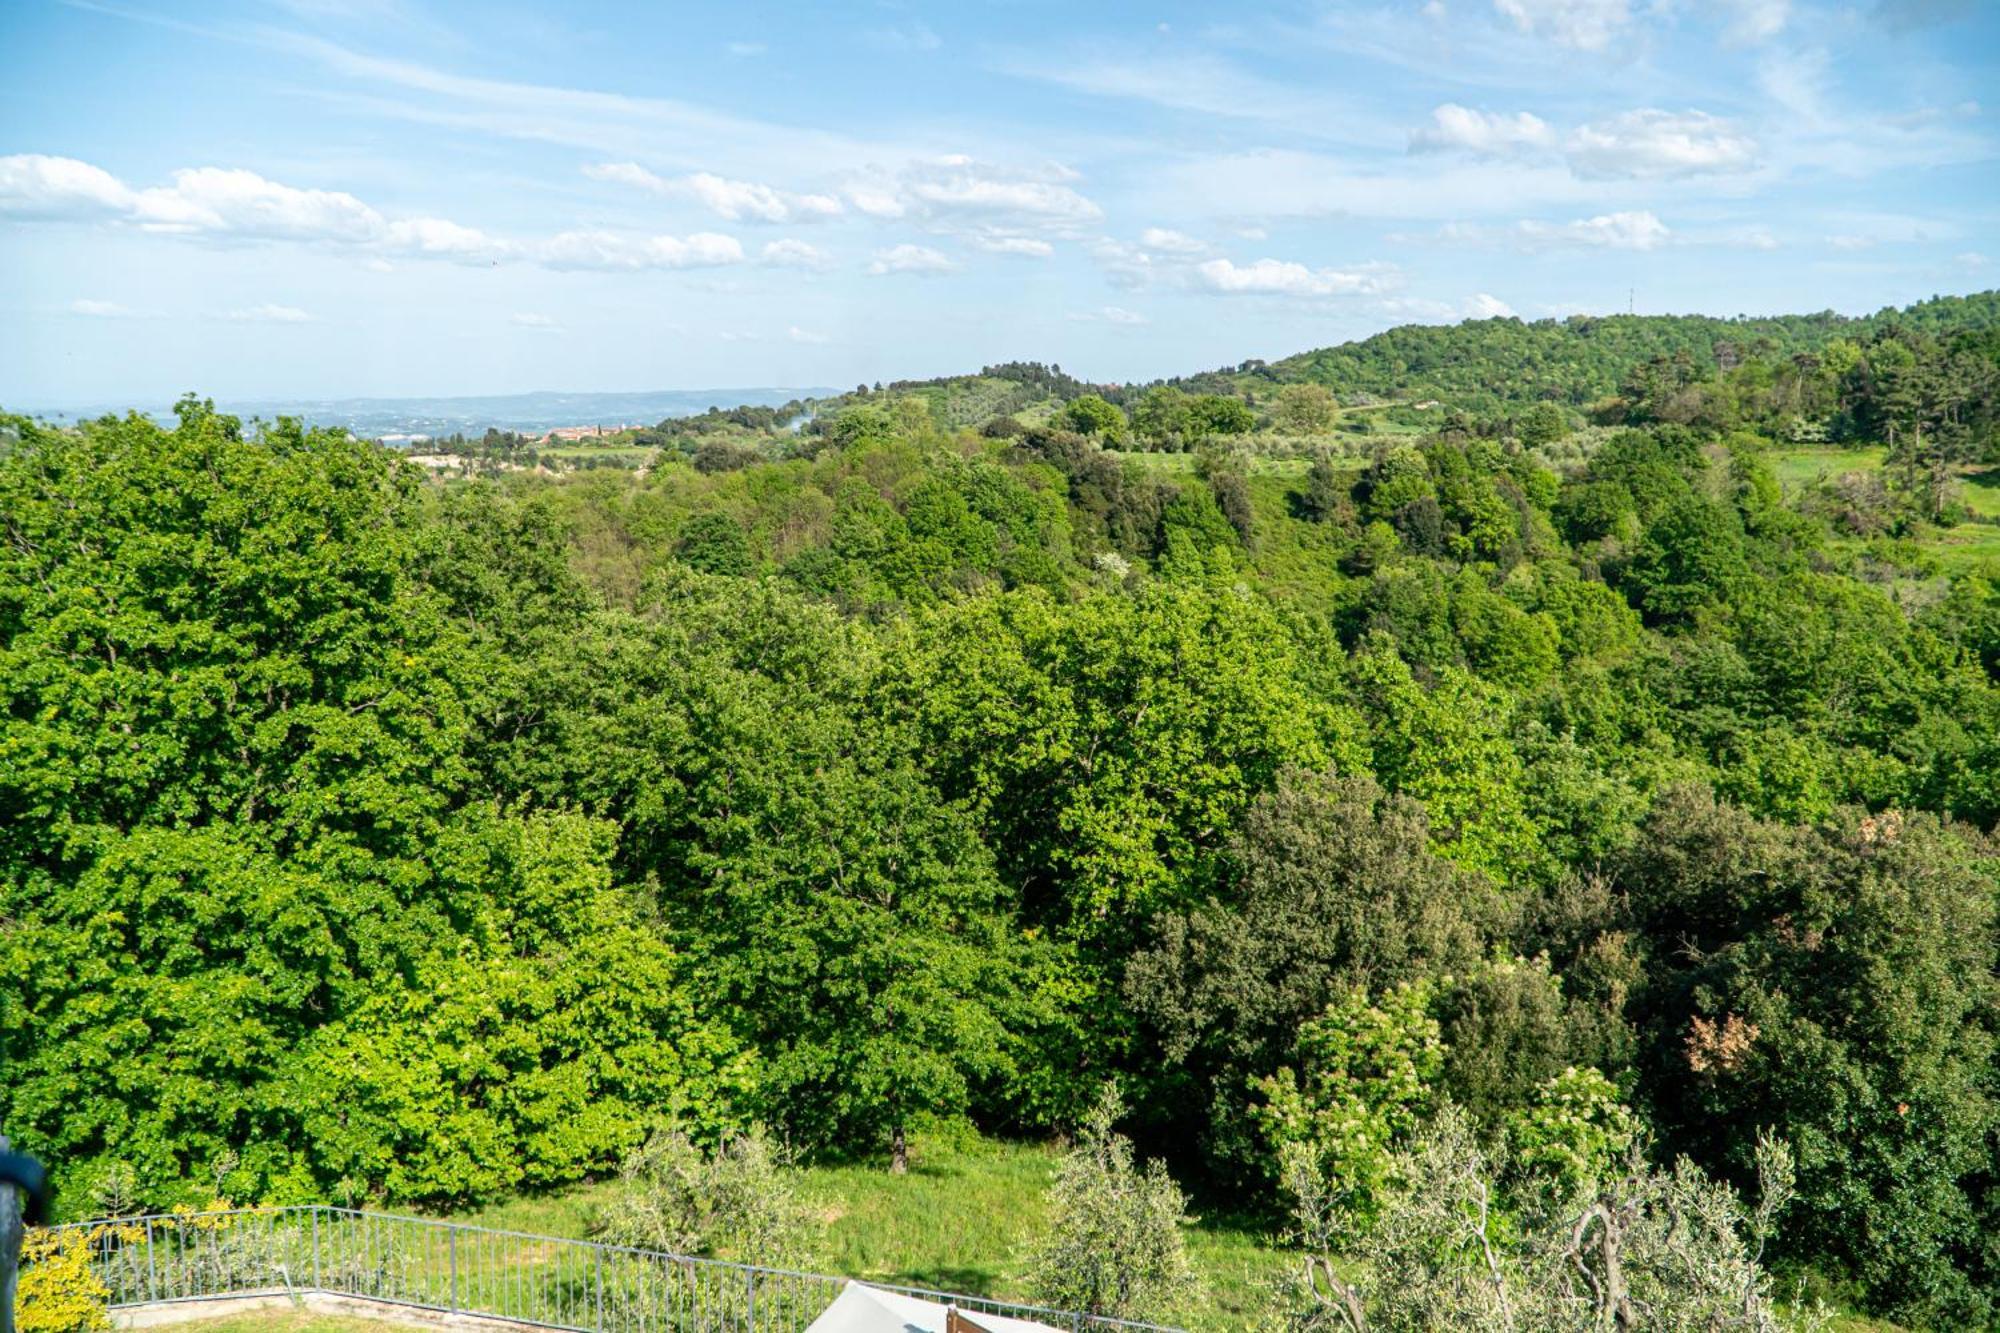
(385,197)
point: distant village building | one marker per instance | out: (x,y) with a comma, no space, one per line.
(583,432)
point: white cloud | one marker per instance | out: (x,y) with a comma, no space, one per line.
(790,253)
(1585,25)
(1279,277)
(1652,143)
(618,251)
(36,185)
(1004,210)
(236,202)
(1632,229)
(1168,241)
(1462,129)
(741,201)
(1124,265)
(1026,247)
(541,323)
(799,335)
(1110,314)
(102,309)
(378,266)
(269,313)
(222,204)
(963,188)
(438,238)
(910,259)
(734,200)
(1486,306)
(1636,230)
(745,48)
(1971,259)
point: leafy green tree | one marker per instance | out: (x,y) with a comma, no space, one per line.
(1542,425)
(1836,985)
(1162,417)
(1366,1076)
(1576,1135)
(1091,416)
(1219,414)
(1306,409)
(1337,889)
(1326,492)
(1690,556)
(714,544)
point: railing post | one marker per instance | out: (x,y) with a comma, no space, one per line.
(453,1234)
(316,1281)
(152,1266)
(750,1286)
(600,1289)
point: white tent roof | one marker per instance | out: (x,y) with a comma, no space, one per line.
(864,1309)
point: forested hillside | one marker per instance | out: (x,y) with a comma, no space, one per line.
(1593,785)
(1585,358)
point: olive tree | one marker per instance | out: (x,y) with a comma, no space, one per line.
(1115,1244)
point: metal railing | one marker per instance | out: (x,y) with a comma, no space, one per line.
(545,1281)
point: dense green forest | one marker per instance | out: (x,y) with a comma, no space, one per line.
(1577,763)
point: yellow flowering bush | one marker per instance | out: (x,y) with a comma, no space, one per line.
(58,1291)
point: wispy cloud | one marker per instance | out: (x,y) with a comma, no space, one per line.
(1021,247)
(1168,241)
(790,253)
(657,128)
(1455,128)
(905,37)
(1654,143)
(1110,314)
(1633,230)
(919,259)
(94,309)
(1585,25)
(733,200)
(268,313)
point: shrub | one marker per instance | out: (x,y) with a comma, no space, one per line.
(1115,1245)
(58,1292)
(1667,1251)
(736,1200)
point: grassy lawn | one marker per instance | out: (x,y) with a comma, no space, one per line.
(284,1321)
(1982,492)
(1959,549)
(963,1220)
(1799,468)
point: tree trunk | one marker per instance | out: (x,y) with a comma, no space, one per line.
(899,1152)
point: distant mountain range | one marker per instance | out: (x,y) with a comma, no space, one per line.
(377,417)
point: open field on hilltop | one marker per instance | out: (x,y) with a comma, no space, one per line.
(1799,468)
(1958,548)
